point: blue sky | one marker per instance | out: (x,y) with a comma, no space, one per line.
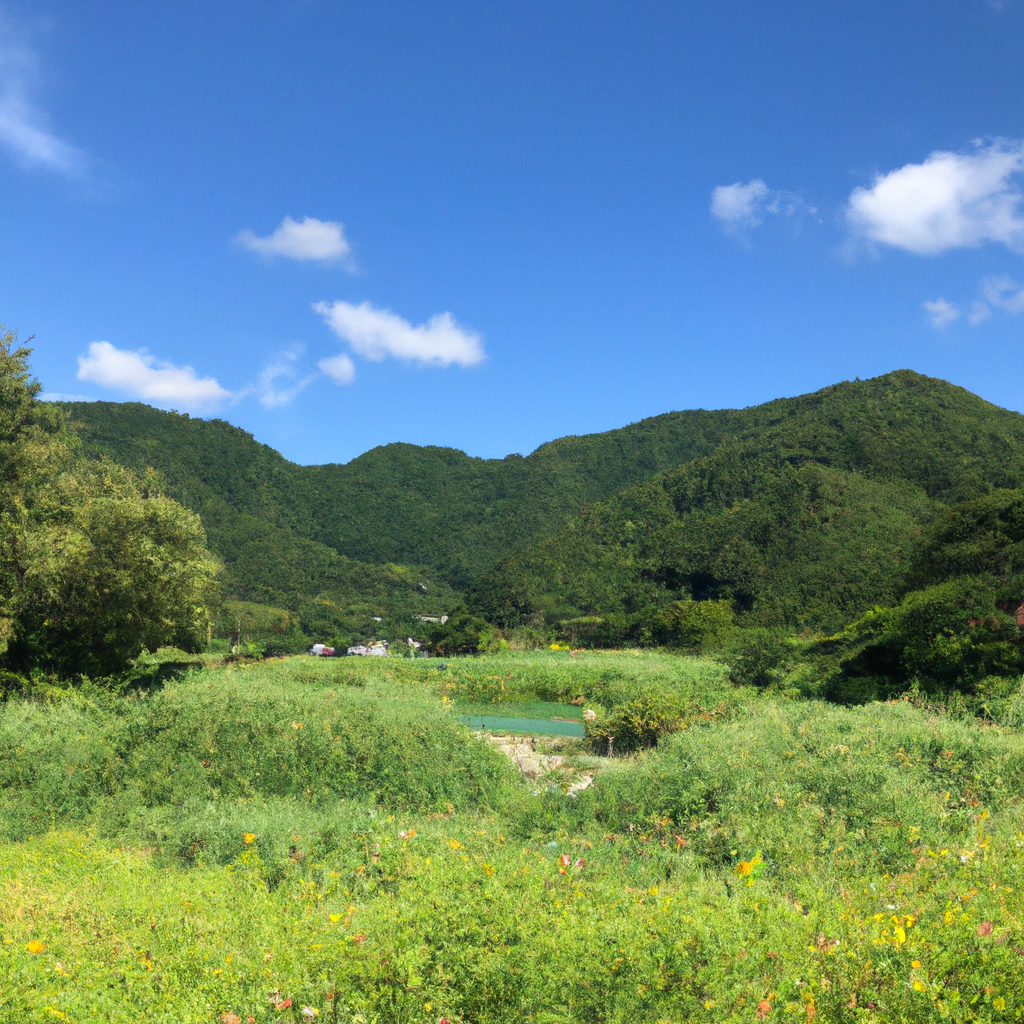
(490,225)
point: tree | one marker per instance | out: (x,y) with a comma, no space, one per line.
(463,633)
(95,564)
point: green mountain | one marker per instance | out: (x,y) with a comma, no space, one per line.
(437,508)
(803,511)
(805,519)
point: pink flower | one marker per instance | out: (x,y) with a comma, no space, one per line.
(579,864)
(985,928)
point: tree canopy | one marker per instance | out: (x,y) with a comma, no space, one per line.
(96,565)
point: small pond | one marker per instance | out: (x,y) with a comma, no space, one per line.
(537,726)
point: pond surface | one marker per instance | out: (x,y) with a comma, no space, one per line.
(537,726)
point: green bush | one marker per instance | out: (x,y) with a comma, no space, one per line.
(463,633)
(694,626)
(759,656)
(639,723)
(595,630)
(246,732)
(943,638)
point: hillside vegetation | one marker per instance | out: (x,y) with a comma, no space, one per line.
(807,521)
(801,511)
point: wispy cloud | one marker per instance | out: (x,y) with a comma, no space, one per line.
(339,368)
(141,375)
(997,293)
(378,333)
(279,381)
(950,201)
(941,313)
(24,126)
(741,207)
(308,240)
(1003,293)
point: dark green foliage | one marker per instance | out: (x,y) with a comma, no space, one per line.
(944,638)
(399,503)
(463,633)
(807,518)
(982,536)
(801,513)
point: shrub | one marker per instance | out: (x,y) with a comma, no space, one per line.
(760,655)
(595,630)
(945,638)
(692,625)
(463,633)
(639,723)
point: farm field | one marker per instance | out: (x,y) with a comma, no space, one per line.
(309,840)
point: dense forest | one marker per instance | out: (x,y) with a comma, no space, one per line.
(802,515)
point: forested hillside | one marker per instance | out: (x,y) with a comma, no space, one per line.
(803,511)
(401,503)
(807,521)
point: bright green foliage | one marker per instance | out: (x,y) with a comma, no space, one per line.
(786,860)
(118,571)
(299,730)
(692,625)
(596,630)
(95,566)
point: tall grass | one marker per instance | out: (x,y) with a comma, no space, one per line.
(775,860)
(238,734)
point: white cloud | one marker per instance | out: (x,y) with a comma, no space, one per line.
(23,125)
(941,313)
(307,240)
(378,333)
(741,207)
(339,368)
(950,201)
(144,376)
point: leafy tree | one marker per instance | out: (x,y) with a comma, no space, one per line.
(95,565)
(692,625)
(463,633)
(943,638)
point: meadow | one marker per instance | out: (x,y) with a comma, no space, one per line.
(306,839)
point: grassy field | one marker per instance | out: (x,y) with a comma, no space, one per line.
(320,840)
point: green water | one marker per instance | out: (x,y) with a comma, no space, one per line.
(538,726)
(521,709)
